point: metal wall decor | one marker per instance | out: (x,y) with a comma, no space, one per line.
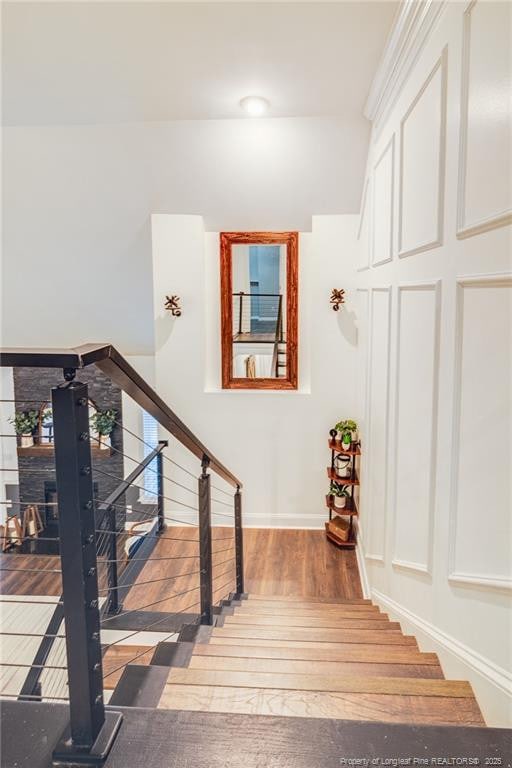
(337,298)
(172,303)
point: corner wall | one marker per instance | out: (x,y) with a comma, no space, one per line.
(434,304)
(276,442)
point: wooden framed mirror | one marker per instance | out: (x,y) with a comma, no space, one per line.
(259,309)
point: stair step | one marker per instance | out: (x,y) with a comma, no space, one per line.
(360,611)
(391,637)
(380,622)
(294,681)
(242,664)
(305,599)
(308,604)
(402,654)
(388,708)
(117,656)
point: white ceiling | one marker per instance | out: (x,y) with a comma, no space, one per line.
(91,63)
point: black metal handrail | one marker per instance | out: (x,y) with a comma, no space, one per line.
(113,364)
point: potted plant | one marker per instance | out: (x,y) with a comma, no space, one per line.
(347,431)
(340,495)
(103,422)
(24,423)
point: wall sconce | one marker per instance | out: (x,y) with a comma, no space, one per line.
(337,298)
(172,304)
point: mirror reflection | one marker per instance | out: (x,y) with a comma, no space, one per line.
(259,310)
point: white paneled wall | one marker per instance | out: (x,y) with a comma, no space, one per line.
(435,344)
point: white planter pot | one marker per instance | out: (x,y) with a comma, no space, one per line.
(105,442)
(346,446)
(342,468)
(27,441)
(340,502)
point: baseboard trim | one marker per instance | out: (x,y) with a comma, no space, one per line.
(299,522)
(363,573)
(497,679)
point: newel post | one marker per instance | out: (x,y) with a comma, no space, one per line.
(205,543)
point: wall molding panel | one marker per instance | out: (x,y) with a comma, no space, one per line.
(467,226)
(364,230)
(474,492)
(408,38)
(378,420)
(421,199)
(383,194)
(363,335)
(416,390)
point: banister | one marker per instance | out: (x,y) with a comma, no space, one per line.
(118,369)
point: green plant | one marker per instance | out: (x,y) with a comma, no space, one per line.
(24,422)
(347,425)
(338,489)
(103,422)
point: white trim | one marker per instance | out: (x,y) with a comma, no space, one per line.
(493,674)
(441,64)
(497,279)
(499,218)
(255,520)
(361,565)
(411,30)
(365,211)
(389,146)
(379,558)
(435,286)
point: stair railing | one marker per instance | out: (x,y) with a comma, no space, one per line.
(89,533)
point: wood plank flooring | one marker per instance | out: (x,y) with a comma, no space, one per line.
(298,563)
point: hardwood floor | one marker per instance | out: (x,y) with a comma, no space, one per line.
(298,563)
(278,563)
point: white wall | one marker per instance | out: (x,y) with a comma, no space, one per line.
(435,292)
(276,442)
(77,200)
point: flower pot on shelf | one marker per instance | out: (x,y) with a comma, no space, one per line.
(26,441)
(354,435)
(340,502)
(342,466)
(105,442)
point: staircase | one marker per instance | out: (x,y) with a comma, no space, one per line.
(312,658)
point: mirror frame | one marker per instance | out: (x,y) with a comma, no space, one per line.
(291,240)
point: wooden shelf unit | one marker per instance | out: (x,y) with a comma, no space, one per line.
(49,450)
(350,510)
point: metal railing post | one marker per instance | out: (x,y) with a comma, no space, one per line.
(90,732)
(160,492)
(239,543)
(205,544)
(113,597)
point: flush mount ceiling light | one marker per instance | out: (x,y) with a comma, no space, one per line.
(255,106)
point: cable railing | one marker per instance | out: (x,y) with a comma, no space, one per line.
(132,539)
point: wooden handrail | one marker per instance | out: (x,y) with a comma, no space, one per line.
(117,368)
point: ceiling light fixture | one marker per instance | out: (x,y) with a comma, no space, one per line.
(255,106)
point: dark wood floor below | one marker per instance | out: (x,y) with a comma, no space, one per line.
(281,562)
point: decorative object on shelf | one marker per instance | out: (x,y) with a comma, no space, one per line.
(340,494)
(103,423)
(339,528)
(337,298)
(13,535)
(340,500)
(172,304)
(347,432)
(24,423)
(342,465)
(31,523)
